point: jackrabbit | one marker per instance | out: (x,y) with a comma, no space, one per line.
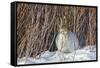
(66,41)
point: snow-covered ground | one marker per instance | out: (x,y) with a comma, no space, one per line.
(86,53)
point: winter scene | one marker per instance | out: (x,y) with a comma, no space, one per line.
(55,33)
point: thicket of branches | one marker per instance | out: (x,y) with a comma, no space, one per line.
(38,25)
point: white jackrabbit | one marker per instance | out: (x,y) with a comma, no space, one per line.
(66,41)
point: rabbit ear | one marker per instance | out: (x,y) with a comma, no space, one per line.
(60,26)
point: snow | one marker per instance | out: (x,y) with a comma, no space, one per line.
(83,54)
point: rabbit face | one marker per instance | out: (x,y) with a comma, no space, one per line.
(63,31)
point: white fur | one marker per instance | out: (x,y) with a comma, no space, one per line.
(68,43)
